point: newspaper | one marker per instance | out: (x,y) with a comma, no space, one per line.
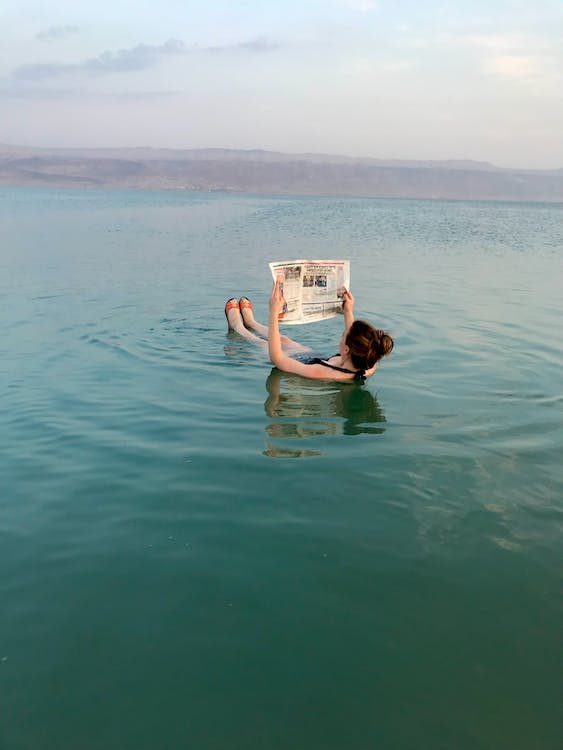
(312,289)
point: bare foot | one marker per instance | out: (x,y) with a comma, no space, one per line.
(232,313)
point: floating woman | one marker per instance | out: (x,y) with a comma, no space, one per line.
(360,349)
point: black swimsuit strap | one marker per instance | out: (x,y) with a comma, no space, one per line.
(358,374)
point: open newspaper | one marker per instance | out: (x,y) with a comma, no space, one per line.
(312,289)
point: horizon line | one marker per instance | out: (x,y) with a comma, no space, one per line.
(483,163)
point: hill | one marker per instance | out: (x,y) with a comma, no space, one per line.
(271,172)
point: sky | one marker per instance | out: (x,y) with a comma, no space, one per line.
(390,79)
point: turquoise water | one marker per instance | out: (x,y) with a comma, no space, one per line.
(198,552)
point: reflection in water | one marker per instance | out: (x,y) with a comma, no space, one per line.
(305,409)
(239,348)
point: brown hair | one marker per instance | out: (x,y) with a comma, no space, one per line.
(367,345)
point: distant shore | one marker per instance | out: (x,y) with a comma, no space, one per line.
(268,172)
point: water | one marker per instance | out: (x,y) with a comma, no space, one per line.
(198,552)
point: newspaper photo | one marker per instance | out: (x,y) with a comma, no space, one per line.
(312,289)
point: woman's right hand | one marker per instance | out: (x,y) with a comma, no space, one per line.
(276,299)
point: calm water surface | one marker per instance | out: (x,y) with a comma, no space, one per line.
(199,552)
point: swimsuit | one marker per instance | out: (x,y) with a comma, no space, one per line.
(358,374)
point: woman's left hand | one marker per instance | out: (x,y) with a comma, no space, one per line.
(348,302)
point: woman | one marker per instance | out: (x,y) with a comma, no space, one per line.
(359,350)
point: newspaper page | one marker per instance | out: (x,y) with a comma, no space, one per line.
(312,289)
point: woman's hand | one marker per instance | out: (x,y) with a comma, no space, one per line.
(274,341)
(348,309)
(348,302)
(276,299)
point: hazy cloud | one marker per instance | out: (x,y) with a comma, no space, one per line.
(259,44)
(56,32)
(516,56)
(140,57)
(40,71)
(495,42)
(125,60)
(501,44)
(511,56)
(511,66)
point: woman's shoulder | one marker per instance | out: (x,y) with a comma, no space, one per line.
(315,370)
(335,359)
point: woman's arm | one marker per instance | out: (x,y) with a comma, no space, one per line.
(274,341)
(281,360)
(348,310)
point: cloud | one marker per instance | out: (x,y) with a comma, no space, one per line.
(40,71)
(140,57)
(511,66)
(502,44)
(56,32)
(259,44)
(515,56)
(496,42)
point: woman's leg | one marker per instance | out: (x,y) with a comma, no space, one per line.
(235,322)
(248,319)
(252,324)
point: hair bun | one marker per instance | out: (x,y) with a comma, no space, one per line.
(386,344)
(382,344)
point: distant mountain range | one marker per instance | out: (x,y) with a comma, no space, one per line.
(272,172)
